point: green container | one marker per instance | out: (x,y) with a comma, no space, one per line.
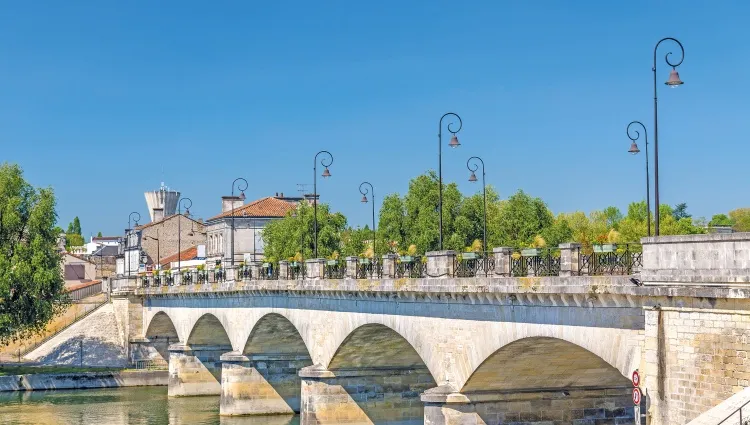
(530,252)
(407,259)
(605,248)
(469,256)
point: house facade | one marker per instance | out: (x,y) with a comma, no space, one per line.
(248,221)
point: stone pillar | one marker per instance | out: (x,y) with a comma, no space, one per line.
(441,264)
(444,405)
(569,256)
(128,309)
(653,367)
(502,260)
(315,268)
(362,396)
(283,270)
(194,370)
(351,267)
(389,266)
(256,269)
(261,384)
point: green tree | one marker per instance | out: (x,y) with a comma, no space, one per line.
(421,213)
(354,242)
(680,212)
(74,227)
(99,235)
(470,221)
(721,220)
(73,239)
(32,289)
(283,238)
(521,218)
(741,219)
(392,225)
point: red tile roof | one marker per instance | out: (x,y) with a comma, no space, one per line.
(265,207)
(80,285)
(186,255)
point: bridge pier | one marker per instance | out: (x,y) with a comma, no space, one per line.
(363,395)
(261,384)
(195,370)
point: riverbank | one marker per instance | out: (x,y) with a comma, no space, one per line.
(83,380)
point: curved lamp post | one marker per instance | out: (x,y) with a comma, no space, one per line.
(634,150)
(325,174)
(473,178)
(242,190)
(127,237)
(189,203)
(673,81)
(364,192)
(454,144)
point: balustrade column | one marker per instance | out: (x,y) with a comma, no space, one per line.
(283,270)
(351,267)
(569,259)
(389,266)
(503,259)
(315,268)
(256,269)
(441,264)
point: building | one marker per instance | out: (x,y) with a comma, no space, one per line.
(249,221)
(188,259)
(77,269)
(162,203)
(97,242)
(147,245)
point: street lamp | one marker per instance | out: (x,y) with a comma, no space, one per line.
(325,174)
(364,193)
(179,229)
(127,238)
(454,144)
(242,198)
(158,255)
(634,150)
(673,81)
(473,178)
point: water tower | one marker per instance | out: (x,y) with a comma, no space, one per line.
(162,203)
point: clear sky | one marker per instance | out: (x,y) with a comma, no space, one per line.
(104,100)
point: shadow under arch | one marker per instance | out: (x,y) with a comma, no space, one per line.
(381,376)
(543,378)
(208,331)
(265,379)
(160,332)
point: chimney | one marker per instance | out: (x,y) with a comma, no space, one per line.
(230,202)
(157,214)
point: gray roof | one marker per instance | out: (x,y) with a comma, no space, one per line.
(106,251)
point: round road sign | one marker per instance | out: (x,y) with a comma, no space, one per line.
(636,379)
(636,396)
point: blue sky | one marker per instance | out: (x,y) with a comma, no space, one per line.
(104,100)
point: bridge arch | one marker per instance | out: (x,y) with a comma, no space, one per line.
(543,363)
(208,331)
(274,333)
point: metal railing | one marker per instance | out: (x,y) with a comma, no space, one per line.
(621,259)
(410,267)
(535,262)
(334,269)
(296,270)
(152,364)
(742,419)
(369,268)
(86,291)
(472,264)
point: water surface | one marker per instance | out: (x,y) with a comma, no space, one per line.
(119,406)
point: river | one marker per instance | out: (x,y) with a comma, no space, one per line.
(119,406)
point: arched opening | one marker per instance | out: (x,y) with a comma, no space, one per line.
(208,331)
(161,332)
(266,380)
(548,379)
(378,378)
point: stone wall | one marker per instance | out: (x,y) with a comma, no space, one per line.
(696,359)
(192,234)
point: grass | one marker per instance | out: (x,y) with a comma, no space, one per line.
(28,370)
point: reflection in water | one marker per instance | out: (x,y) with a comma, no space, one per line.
(120,406)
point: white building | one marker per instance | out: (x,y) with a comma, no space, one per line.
(97,242)
(249,221)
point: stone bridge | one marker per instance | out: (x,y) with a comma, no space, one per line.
(481,350)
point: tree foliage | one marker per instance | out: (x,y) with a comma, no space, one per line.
(31,284)
(294,233)
(740,219)
(74,227)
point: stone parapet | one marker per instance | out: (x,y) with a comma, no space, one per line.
(351,267)
(502,260)
(389,265)
(315,268)
(441,264)
(569,259)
